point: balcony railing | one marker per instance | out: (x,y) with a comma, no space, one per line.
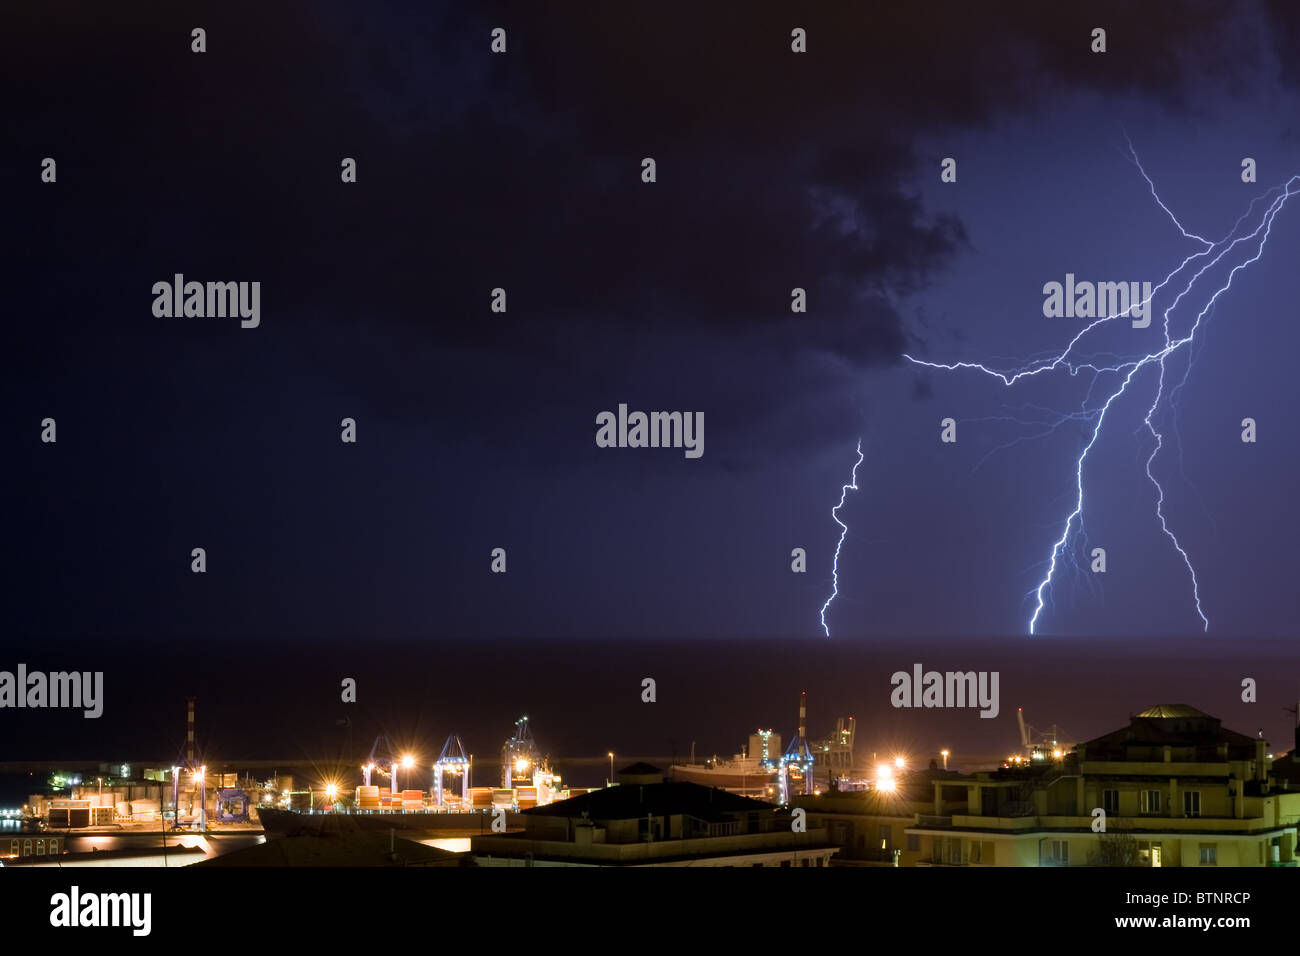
(929,820)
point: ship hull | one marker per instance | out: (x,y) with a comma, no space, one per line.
(279,823)
(740,780)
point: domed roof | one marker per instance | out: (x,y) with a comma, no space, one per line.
(1172,710)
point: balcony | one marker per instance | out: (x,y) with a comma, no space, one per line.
(929,820)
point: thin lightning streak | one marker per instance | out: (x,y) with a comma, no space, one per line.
(1011,376)
(1130,368)
(1138,163)
(1160,499)
(844,529)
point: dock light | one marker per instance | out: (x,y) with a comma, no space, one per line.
(521,765)
(883,771)
(1056,754)
(899,762)
(408,762)
(944,755)
(331,791)
(888,784)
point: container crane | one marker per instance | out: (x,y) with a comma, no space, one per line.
(1038,745)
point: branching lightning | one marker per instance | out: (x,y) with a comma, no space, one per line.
(1126,368)
(844,530)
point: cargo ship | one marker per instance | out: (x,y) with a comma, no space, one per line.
(279,822)
(452,808)
(741,774)
(371,809)
(749,773)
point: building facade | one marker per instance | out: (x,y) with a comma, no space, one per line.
(1173,788)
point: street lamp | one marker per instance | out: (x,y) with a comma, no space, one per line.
(203,796)
(611,767)
(407,763)
(944,754)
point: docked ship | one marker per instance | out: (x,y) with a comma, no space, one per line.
(765,772)
(281,822)
(752,772)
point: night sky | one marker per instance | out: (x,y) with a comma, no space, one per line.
(476,430)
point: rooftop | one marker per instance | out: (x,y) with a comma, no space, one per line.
(340,848)
(1172,710)
(633,801)
(1192,734)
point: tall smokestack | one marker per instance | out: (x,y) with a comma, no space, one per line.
(803,714)
(189,732)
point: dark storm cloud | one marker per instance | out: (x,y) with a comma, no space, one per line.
(1284,31)
(776,170)
(522,171)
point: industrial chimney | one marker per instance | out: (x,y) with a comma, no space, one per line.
(189,732)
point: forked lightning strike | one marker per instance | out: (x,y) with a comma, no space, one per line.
(1130,368)
(844,529)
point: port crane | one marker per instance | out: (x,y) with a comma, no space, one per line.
(519,755)
(455,762)
(1039,745)
(370,764)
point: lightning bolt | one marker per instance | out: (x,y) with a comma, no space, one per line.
(844,530)
(1127,368)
